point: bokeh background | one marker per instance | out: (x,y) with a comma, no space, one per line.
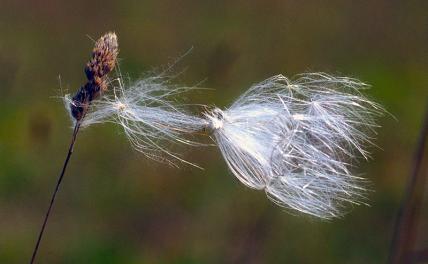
(117,207)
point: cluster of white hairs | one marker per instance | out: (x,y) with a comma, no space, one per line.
(296,139)
(149,116)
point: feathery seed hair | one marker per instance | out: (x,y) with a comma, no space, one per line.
(150,116)
(295,139)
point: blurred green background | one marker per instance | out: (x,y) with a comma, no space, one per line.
(117,207)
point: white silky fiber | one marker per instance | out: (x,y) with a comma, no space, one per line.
(298,139)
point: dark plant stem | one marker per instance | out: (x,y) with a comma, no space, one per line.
(102,62)
(61,176)
(405,226)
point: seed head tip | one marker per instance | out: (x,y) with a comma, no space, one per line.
(102,62)
(104,57)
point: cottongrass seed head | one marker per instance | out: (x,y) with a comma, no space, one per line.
(296,139)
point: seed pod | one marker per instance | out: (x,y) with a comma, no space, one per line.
(103,60)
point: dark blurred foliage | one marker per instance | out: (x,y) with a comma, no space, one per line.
(117,207)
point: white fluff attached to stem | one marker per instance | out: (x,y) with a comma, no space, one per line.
(150,118)
(296,140)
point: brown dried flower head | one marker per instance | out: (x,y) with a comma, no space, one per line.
(104,56)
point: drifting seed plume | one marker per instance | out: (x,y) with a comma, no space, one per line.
(103,60)
(151,118)
(295,140)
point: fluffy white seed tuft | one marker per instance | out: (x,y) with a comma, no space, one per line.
(151,120)
(296,139)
